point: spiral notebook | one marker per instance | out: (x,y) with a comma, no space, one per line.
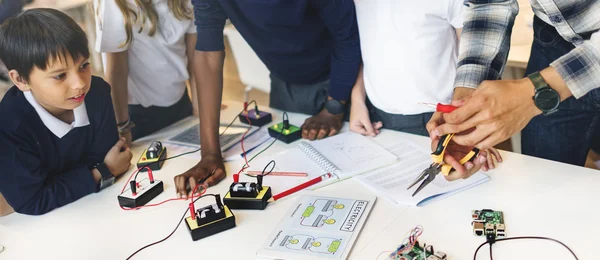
(344,156)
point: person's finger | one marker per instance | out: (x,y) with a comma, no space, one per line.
(216,177)
(358,129)
(333,131)
(460,171)
(312,132)
(496,154)
(459,102)
(368,127)
(305,128)
(474,138)
(490,161)
(478,163)
(192,182)
(304,132)
(119,144)
(434,144)
(377,125)
(466,170)
(489,142)
(323,131)
(470,108)
(451,128)
(433,123)
(180,181)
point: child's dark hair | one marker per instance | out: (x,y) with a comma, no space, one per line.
(38,36)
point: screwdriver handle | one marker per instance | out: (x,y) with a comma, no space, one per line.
(444,108)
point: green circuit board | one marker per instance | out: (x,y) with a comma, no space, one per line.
(416,253)
(487,221)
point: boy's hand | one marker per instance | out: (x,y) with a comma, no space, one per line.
(493,156)
(207,165)
(360,122)
(5,208)
(454,153)
(322,125)
(118,158)
(128,138)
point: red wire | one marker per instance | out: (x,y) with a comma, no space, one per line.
(132,174)
(244,135)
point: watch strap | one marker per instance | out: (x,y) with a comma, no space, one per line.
(107,177)
(537,80)
(335,105)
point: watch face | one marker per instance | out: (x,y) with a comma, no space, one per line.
(547,99)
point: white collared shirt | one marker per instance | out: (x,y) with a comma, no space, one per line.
(157,64)
(55,125)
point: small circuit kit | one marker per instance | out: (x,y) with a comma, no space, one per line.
(249,195)
(153,157)
(209,220)
(418,252)
(410,249)
(487,222)
(141,192)
(285,131)
(254,116)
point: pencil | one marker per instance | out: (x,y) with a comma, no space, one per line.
(300,187)
(294,174)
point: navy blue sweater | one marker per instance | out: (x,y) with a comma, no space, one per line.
(300,41)
(10,8)
(41,172)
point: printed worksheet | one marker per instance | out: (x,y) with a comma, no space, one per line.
(318,227)
(391,182)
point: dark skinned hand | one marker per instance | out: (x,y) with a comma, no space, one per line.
(185,183)
(322,125)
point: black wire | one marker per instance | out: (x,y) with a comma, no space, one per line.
(194,151)
(268,146)
(172,232)
(265,169)
(515,238)
(285,116)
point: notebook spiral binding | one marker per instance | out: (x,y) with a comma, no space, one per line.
(318,158)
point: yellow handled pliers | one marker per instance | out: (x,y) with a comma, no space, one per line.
(438,165)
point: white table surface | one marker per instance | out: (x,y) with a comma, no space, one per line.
(538,197)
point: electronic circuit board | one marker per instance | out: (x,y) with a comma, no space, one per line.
(419,253)
(487,221)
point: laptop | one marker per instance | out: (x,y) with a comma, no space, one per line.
(232,136)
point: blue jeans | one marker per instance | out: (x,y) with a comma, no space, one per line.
(300,98)
(565,136)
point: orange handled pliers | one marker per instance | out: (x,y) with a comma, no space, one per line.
(438,165)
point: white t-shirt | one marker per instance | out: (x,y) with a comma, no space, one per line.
(157,64)
(409,51)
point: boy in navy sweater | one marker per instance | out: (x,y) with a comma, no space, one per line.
(57,126)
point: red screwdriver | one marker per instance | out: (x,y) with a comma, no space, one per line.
(440,107)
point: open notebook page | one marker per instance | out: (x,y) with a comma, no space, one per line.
(353,153)
(292,160)
(392,181)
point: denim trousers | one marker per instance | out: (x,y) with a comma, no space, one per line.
(568,134)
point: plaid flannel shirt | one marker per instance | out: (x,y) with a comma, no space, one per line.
(485,41)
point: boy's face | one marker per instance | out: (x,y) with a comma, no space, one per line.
(61,87)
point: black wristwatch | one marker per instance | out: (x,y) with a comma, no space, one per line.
(107,177)
(545,98)
(334,107)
